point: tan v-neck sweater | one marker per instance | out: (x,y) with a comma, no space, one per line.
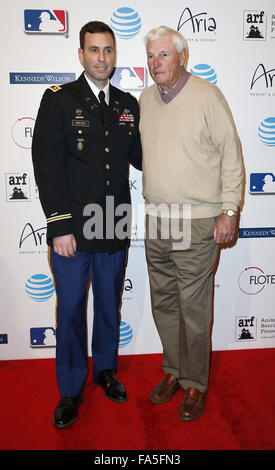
(191,150)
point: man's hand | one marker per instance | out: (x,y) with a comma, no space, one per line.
(225,229)
(65,246)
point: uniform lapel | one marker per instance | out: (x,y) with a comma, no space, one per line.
(87,98)
(115,106)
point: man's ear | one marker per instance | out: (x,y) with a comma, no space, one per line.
(80,55)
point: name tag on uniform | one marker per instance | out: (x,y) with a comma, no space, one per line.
(80,123)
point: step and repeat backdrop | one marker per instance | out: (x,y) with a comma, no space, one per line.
(231,44)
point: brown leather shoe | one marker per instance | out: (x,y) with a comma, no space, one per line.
(193,404)
(164,391)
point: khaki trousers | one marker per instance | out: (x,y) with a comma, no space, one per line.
(181,286)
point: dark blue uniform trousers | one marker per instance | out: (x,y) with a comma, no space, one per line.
(71,277)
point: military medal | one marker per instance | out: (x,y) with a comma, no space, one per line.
(126,117)
(79,144)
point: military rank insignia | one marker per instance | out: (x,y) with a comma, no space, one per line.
(55,88)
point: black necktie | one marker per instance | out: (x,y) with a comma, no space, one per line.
(103,107)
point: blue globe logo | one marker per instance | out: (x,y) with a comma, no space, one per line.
(125,22)
(266,131)
(126,334)
(39,287)
(205,71)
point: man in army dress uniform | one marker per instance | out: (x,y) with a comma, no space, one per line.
(82,147)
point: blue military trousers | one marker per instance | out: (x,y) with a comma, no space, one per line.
(72,277)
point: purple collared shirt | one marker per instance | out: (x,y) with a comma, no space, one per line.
(167,97)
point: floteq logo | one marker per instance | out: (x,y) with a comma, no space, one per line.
(254,25)
(253,280)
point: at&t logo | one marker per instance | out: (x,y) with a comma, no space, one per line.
(125,22)
(39,287)
(126,334)
(253,280)
(206,72)
(266,131)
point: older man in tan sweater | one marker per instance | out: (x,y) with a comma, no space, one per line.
(192,182)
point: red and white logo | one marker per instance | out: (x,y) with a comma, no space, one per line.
(22,132)
(253,280)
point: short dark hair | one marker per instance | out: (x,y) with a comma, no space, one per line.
(94,27)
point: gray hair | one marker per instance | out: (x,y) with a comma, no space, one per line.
(179,41)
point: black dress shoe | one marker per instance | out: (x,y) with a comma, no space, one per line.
(66,411)
(113,389)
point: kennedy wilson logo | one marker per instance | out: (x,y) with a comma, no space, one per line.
(25,78)
(253,280)
(3,338)
(262,232)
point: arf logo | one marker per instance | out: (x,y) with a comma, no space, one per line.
(246,328)
(45,21)
(253,280)
(254,25)
(17,187)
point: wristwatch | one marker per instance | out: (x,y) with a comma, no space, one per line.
(230,212)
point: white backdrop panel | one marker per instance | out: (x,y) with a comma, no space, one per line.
(236,40)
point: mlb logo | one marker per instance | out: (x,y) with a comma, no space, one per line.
(42,337)
(129,78)
(45,21)
(262,183)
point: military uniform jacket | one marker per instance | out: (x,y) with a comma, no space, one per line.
(78,161)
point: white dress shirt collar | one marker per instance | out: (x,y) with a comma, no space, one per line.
(96,90)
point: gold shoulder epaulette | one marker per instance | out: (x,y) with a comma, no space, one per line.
(55,88)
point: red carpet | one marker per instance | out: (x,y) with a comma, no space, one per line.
(240,412)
